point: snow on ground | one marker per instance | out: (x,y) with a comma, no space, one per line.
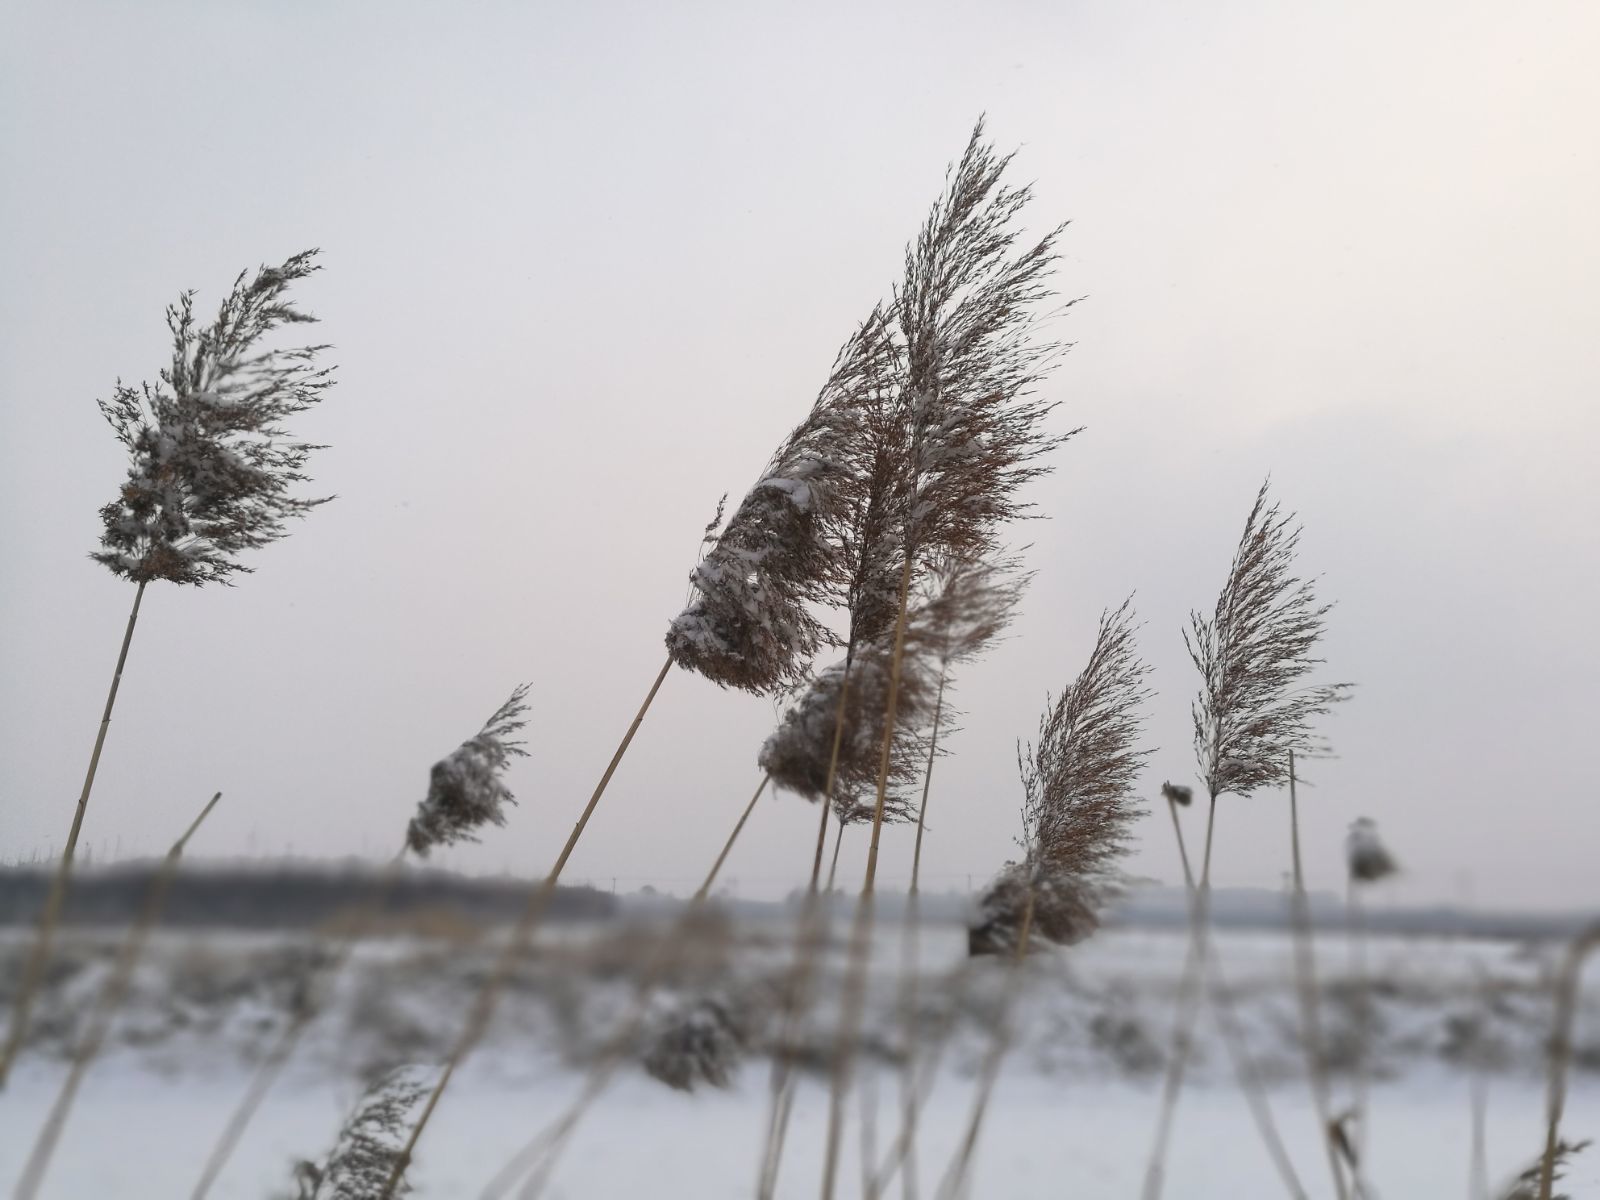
(1072,1116)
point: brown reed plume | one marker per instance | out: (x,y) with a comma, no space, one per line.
(1078,811)
(967,315)
(1078,801)
(211,474)
(105,1009)
(1253,711)
(365,1149)
(466,791)
(749,624)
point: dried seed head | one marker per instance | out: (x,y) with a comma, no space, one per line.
(748,624)
(1079,807)
(699,1043)
(1366,854)
(368,1145)
(1252,654)
(465,788)
(211,469)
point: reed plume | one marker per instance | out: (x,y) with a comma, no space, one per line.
(966,311)
(749,623)
(973,428)
(466,791)
(211,475)
(358,1165)
(1252,713)
(1078,801)
(105,1009)
(701,1042)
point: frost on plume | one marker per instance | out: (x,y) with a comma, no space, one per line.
(369,1144)
(1078,807)
(749,623)
(465,788)
(702,1042)
(211,469)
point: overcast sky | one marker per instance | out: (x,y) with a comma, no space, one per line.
(586,264)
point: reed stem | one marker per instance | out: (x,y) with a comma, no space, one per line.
(1561,1052)
(289,1039)
(106,1005)
(1310,1012)
(527,923)
(39,955)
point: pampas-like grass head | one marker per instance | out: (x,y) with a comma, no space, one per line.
(748,624)
(798,752)
(1253,653)
(211,468)
(967,310)
(465,789)
(368,1145)
(1078,808)
(700,1043)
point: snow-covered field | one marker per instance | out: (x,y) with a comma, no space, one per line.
(1072,1115)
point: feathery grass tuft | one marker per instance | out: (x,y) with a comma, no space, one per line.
(211,472)
(368,1145)
(465,789)
(1252,653)
(1079,806)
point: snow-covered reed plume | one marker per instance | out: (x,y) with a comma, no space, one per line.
(1253,654)
(1079,807)
(1253,714)
(1537,1181)
(749,623)
(799,751)
(368,1145)
(701,1042)
(212,470)
(466,789)
(211,474)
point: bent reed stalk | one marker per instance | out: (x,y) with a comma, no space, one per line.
(489,995)
(39,953)
(105,1008)
(1233,1037)
(1561,1052)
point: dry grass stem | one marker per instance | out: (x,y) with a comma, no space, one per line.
(1561,1056)
(527,924)
(1253,653)
(105,1009)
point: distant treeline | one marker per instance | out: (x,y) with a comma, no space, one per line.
(286,896)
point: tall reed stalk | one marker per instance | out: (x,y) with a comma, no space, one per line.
(521,936)
(33,967)
(1561,1052)
(466,791)
(209,477)
(1311,1037)
(1232,1029)
(105,1009)
(1252,710)
(545,1148)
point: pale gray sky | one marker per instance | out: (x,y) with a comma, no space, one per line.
(587,263)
